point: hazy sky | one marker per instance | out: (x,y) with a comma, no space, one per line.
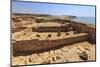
(53,9)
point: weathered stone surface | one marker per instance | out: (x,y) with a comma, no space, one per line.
(43,45)
(51,29)
(83,55)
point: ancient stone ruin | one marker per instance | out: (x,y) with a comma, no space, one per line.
(80,32)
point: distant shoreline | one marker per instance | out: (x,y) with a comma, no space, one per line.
(85,20)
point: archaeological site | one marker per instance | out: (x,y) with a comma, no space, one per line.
(47,39)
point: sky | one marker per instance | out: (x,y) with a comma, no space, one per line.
(52,9)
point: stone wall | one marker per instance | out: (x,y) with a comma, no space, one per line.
(50,29)
(18,29)
(80,27)
(51,20)
(92,34)
(43,45)
(22,21)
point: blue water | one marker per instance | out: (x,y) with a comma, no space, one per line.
(87,20)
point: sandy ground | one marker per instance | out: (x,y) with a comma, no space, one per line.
(69,53)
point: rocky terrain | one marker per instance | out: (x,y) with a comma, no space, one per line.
(46,27)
